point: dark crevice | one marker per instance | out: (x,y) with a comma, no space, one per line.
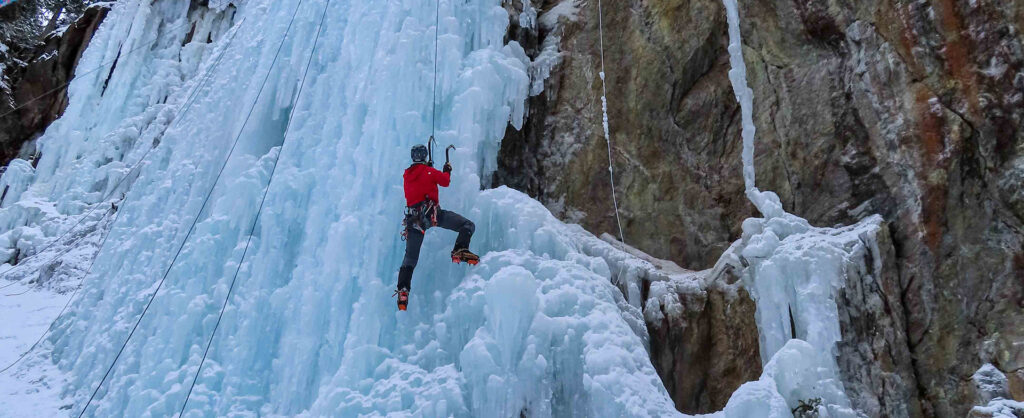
(111,72)
(188,37)
(792,323)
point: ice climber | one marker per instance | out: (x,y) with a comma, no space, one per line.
(422,212)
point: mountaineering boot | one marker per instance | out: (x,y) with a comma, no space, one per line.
(463,254)
(403,298)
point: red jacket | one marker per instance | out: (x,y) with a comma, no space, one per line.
(421,183)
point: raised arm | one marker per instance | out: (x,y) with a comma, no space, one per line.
(443,179)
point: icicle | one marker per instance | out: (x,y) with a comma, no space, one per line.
(745,96)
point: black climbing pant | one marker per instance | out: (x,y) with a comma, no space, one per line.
(445,219)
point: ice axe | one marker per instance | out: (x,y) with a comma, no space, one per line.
(430,151)
(450,147)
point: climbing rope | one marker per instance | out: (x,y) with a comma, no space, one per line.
(189,100)
(66,304)
(259,211)
(433,100)
(102,66)
(192,227)
(607,137)
(188,103)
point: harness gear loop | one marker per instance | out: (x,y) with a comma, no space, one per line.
(421,217)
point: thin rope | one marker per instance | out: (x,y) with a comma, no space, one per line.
(68,303)
(607,137)
(259,211)
(191,227)
(102,66)
(433,100)
(190,99)
(188,103)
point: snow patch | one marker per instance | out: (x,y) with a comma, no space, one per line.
(568,9)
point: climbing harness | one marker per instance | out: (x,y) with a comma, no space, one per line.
(206,201)
(259,211)
(189,100)
(421,217)
(607,137)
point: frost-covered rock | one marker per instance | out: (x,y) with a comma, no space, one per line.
(703,338)
(990,383)
(998,408)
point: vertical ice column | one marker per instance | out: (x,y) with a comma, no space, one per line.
(745,96)
(792,271)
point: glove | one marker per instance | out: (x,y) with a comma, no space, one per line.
(447,168)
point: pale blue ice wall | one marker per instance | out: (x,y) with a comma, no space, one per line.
(311,326)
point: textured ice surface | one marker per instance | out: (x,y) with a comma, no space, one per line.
(536,328)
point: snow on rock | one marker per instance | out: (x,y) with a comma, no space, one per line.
(567,9)
(550,55)
(991,383)
(998,408)
(793,272)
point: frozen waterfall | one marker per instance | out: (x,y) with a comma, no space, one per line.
(311,328)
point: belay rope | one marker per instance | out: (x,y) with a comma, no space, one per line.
(189,100)
(423,215)
(604,122)
(433,99)
(259,211)
(195,221)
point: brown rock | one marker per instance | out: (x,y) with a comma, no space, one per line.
(873,358)
(1015,382)
(912,110)
(39,86)
(707,349)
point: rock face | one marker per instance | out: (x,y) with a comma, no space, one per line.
(913,111)
(703,339)
(700,326)
(873,356)
(42,71)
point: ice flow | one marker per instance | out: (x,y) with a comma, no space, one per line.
(792,270)
(310,329)
(535,329)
